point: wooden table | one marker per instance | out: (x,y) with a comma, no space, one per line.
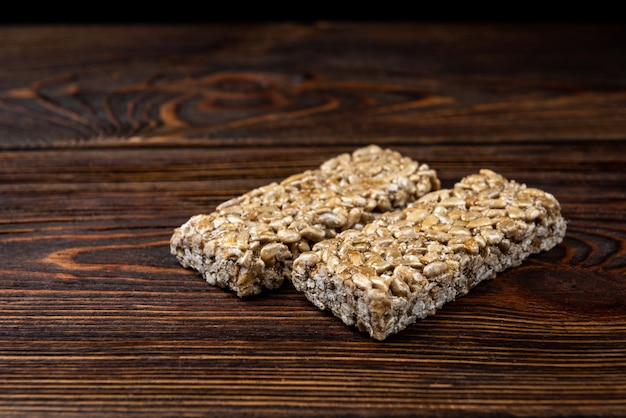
(112,136)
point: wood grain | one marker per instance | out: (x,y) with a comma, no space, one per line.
(112,136)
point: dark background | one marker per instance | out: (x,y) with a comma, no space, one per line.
(233,11)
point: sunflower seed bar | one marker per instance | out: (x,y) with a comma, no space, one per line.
(248,243)
(407,264)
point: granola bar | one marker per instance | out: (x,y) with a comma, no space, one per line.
(249,242)
(407,264)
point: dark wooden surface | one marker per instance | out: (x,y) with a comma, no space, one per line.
(112,136)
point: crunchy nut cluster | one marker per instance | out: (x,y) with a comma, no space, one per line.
(407,264)
(248,243)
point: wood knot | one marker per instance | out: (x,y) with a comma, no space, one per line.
(228,91)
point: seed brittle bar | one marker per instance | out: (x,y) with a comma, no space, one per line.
(407,264)
(249,242)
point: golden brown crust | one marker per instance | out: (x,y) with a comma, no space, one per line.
(407,264)
(248,243)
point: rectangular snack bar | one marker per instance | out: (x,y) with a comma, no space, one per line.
(249,242)
(407,264)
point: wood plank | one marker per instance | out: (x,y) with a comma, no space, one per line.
(401,83)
